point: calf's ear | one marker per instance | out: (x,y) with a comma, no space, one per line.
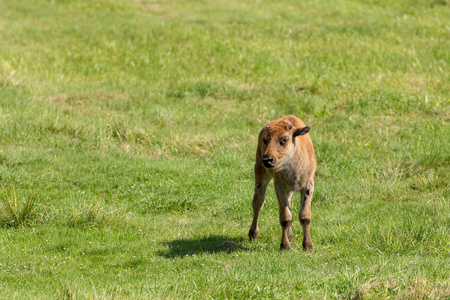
(301,131)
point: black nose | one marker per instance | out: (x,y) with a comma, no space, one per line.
(268,161)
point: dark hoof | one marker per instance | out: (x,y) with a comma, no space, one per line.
(253,235)
(308,247)
(285,247)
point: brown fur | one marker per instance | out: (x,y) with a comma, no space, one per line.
(286,154)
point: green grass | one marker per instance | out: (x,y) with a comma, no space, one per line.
(128,131)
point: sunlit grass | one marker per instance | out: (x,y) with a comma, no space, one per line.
(134,124)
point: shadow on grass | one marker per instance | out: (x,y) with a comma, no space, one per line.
(210,244)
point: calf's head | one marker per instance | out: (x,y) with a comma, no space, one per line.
(278,143)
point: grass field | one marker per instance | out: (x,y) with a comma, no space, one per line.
(128,131)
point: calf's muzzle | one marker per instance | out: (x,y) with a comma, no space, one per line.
(268,161)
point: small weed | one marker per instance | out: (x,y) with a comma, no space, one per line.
(92,214)
(15,211)
(117,130)
(87,215)
(420,288)
(68,292)
(8,76)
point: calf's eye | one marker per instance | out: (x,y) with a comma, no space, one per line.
(284,141)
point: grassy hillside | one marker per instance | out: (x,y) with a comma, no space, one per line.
(127,139)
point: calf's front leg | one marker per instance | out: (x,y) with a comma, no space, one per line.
(262,179)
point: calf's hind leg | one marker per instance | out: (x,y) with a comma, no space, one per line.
(305,215)
(284,201)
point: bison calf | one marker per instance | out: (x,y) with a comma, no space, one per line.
(286,154)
